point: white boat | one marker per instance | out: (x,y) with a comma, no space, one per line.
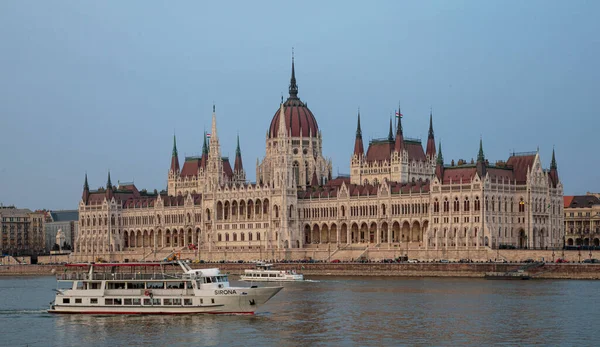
(264,273)
(153,288)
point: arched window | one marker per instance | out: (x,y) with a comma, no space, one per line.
(257,236)
(466,205)
(436,206)
(226,236)
(456,205)
(477,204)
(521,205)
(219,237)
(446,205)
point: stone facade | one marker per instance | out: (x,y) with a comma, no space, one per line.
(66,221)
(398,196)
(22,231)
(582,220)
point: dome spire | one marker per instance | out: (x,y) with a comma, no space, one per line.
(293,85)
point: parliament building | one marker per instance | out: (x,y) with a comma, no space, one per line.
(398,194)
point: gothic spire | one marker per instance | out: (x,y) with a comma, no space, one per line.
(204,145)
(174,158)
(430,151)
(293,85)
(553,162)
(439,166)
(174,154)
(358,131)
(237,166)
(399,143)
(108,183)
(399,126)
(430,124)
(481,164)
(86,186)
(391,133)
(480,156)
(109,189)
(86,190)
(358,143)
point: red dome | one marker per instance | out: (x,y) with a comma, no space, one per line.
(297,116)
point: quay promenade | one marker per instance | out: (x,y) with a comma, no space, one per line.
(475,270)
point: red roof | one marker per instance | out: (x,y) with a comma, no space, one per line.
(113,264)
(520,164)
(415,151)
(297,116)
(190,167)
(227,168)
(454,174)
(567,200)
(380,151)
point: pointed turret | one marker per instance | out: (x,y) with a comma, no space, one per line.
(358,142)
(293,85)
(553,171)
(439,166)
(399,143)
(314,181)
(430,152)
(174,157)
(282,131)
(109,188)
(86,190)
(238,167)
(481,164)
(390,133)
(204,157)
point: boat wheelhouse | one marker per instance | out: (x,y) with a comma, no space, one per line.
(264,273)
(153,288)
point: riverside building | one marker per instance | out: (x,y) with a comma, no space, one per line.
(398,195)
(22,231)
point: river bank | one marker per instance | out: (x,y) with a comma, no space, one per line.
(475,270)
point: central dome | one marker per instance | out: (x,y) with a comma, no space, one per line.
(298,118)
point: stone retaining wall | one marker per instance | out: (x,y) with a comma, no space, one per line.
(548,271)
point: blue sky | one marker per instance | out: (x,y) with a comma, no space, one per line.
(92,86)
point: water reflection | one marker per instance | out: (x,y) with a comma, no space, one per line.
(335,311)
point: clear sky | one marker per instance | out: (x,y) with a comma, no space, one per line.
(92,86)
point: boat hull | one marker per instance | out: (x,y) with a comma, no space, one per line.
(246,301)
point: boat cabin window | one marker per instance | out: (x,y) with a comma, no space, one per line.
(66,301)
(177,301)
(272,275)
(201,301)
(94,301)
(168,302)
(135,285)
(174,285)
(147,302)
(78,301)
(187,302)
(188,285)
(79,285)
(115,285)
(155,285)
(94,285)
(134,302)
(155,301)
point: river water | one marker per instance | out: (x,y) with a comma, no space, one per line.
(338,311)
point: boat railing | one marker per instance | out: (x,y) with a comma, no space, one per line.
(120,276)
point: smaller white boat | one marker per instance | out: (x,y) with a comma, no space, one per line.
(264,272)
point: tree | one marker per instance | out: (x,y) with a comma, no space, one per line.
(56,247)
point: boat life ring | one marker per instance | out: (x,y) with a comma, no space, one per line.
(147,292)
